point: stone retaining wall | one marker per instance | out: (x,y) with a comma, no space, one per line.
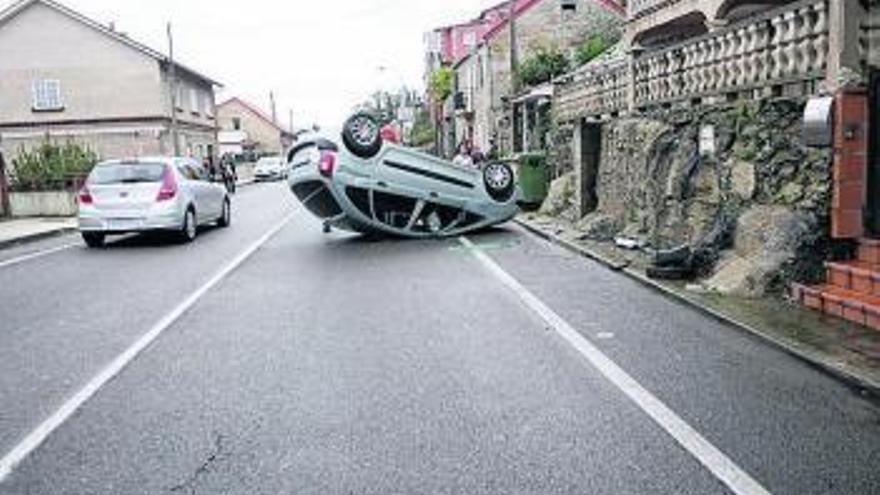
(762,197)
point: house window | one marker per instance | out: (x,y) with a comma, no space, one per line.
(236,123)
(208,105)
(179,103)
(47,95)
(193,100)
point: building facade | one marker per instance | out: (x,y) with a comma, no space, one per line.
(88,83)
(481,110)
(243,127)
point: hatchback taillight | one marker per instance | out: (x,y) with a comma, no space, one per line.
(85,196)
(327,165)
(169,186)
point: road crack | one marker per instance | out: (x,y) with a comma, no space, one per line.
(190,485)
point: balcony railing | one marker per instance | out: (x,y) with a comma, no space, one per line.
(781,48)
(595,89)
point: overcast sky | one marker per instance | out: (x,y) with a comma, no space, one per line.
(320,57)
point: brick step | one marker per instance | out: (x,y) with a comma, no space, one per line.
(832,300)
(857,276)
(869,251)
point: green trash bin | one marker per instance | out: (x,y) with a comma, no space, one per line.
(534,180)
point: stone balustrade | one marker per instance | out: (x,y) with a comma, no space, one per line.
(779,47)
(595,89)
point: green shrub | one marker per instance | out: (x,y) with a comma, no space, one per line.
(441,83)
(543,66)
(594,46)
(52,166)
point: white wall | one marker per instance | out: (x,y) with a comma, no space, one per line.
(100,77)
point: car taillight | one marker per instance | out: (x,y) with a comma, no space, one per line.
(169,186)
(327,165)
(85,196)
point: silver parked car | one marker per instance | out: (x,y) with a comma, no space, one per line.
(371,186)
(150,194)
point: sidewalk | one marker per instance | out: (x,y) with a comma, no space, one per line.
(30,229)
(844,350)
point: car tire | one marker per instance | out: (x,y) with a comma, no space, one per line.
(225,215)
(499,180)
(93,240)
(361,135)
(189,229)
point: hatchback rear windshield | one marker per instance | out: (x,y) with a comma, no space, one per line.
(126,173)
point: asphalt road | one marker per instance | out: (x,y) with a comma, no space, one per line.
(330,364)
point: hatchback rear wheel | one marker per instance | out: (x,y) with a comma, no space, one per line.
(361,136)
(94,239)
(226,215)
(499,181)
(189,229)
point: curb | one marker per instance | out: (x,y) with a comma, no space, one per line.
(37,237)
(864,385)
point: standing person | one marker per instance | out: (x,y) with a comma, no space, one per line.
(227,168)
(390,132)
(477,157)
(463,156)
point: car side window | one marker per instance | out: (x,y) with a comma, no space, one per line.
(184,171)
(198,171)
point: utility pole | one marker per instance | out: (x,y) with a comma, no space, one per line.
(514,55)
(172,88)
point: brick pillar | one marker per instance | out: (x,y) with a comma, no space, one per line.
(850,164)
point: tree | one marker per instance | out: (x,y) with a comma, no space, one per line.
(543,66)
(441,83)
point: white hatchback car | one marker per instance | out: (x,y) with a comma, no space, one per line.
(150,194)
(270,168)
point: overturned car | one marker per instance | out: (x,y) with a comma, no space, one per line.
(375,187)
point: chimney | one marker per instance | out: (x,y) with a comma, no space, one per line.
(272,106)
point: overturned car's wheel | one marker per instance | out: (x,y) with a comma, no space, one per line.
(499,181)
(361,136)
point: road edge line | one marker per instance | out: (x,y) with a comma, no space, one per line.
(712,458)
(38,435)
(36,254)
(862,385)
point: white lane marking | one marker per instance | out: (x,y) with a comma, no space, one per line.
(722,467)
(37,254)
(37,436)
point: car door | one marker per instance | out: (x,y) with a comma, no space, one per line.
(196,181)
(211,193)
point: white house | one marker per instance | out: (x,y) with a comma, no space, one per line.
(65,76)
